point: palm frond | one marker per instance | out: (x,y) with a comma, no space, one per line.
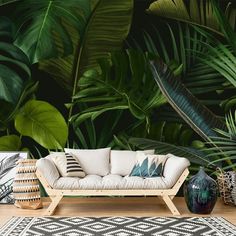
(225,144)
(194,155)
(197,76)
(7,163)
(197,12)
(196,115)
(222,59)
(6,190)
(118,87)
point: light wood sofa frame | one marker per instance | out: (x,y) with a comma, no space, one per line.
(166,194)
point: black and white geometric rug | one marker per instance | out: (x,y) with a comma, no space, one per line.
(118,226)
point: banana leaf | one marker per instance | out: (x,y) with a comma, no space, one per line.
(199,12)
(196,115)
(105,30)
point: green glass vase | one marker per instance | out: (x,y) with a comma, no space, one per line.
(201,192)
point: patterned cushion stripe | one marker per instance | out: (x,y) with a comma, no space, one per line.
(72,164)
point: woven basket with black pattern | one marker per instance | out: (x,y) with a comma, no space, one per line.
(227,186)
(26,190)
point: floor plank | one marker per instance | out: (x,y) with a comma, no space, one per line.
(115,206)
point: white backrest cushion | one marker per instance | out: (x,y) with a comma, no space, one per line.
(48,170)
(123,161)
(93,161)
(173,169)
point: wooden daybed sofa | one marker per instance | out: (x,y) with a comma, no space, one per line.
(110,177)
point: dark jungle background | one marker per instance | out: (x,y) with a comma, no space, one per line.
(77,73)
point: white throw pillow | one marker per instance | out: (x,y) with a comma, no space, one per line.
(123,161)
(93,161)
(67,165)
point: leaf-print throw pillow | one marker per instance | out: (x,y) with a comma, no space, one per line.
(148,165)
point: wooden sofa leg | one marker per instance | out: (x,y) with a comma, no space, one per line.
(55,201)
(171,205)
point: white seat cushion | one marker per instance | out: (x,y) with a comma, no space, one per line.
(96,182)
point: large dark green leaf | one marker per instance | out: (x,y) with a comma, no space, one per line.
(105,31)
(10,143)
(43,123)
(40,22)
(14,65)
(119,87)
(196,115)
(15,73)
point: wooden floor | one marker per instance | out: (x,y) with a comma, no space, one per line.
(115,206)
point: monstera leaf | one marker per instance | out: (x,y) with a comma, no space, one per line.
(15,73)
(105,31)
(40,22)
(14,65)
(43,123)
(196,115)
(10,143)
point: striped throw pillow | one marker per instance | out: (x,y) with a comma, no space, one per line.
(73,166)
(67,165)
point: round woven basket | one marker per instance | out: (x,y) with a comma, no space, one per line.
(26,189)
(227,186)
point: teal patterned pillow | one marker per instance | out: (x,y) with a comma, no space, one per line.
(148,165)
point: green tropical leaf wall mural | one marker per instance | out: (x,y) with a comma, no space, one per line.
(201,119)
(197,12)
(44,20)
(77,73)
(105,30)
(15,73)
(10,142)
(116,90)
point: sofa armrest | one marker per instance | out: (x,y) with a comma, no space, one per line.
(173,169)
(48,170)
